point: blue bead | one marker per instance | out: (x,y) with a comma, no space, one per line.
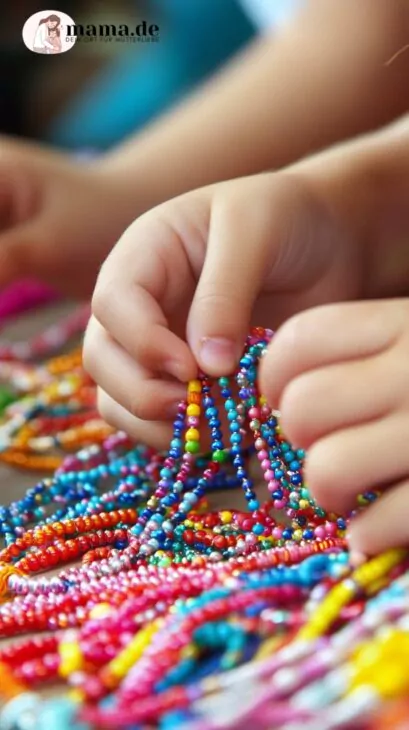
(253,504)
(59,713)
(211,412)
(234,426)
(295,465)
(296,479)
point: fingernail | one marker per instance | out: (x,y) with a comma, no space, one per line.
(218,355)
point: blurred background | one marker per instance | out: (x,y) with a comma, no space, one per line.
(95,95)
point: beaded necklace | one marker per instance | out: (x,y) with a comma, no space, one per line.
(22,296)
(171,594)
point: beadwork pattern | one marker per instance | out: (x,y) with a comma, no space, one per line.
(180,614)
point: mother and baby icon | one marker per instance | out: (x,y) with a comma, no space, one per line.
(47,37)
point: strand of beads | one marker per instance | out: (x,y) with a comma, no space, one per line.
(22,296)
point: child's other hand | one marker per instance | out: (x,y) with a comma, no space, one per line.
(58,218)
(339,375)
(187,279)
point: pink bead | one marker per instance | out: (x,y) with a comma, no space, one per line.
(265,464)
(254,412)
(279,504)
(193,421)
(320,532)
(277,533)
(263,454)
(269,475)
(331,528)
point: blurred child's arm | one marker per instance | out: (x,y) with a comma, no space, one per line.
(328,76)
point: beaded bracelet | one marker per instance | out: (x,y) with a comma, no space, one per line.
(22,296)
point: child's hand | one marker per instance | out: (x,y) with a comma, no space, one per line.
(58,218)
(339,375)
(204,267)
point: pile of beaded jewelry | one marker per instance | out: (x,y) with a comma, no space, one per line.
(180,614)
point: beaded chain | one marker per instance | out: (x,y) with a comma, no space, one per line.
(121,582)
(23,296)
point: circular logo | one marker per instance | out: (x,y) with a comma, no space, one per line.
(49,32)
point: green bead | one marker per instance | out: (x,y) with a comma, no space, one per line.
(192,447)
(164,562)
(223,382)
(220,455)
(6,397)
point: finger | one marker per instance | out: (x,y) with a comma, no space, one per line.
(152,433)
(356,460)
(125,381)
(326,335)
(245,252)
(383,525)
(333,398)
(16,247)
(147,278)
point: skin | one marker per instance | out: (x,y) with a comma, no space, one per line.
(327,77)
(318,250)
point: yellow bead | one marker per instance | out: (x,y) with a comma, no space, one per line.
(192,434)
(189,652)
(121,665)
(194,386)
(76,696)
(100,610)
(71,659)
(226,517)
(193,409)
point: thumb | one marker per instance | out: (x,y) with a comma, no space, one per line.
(239,254)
